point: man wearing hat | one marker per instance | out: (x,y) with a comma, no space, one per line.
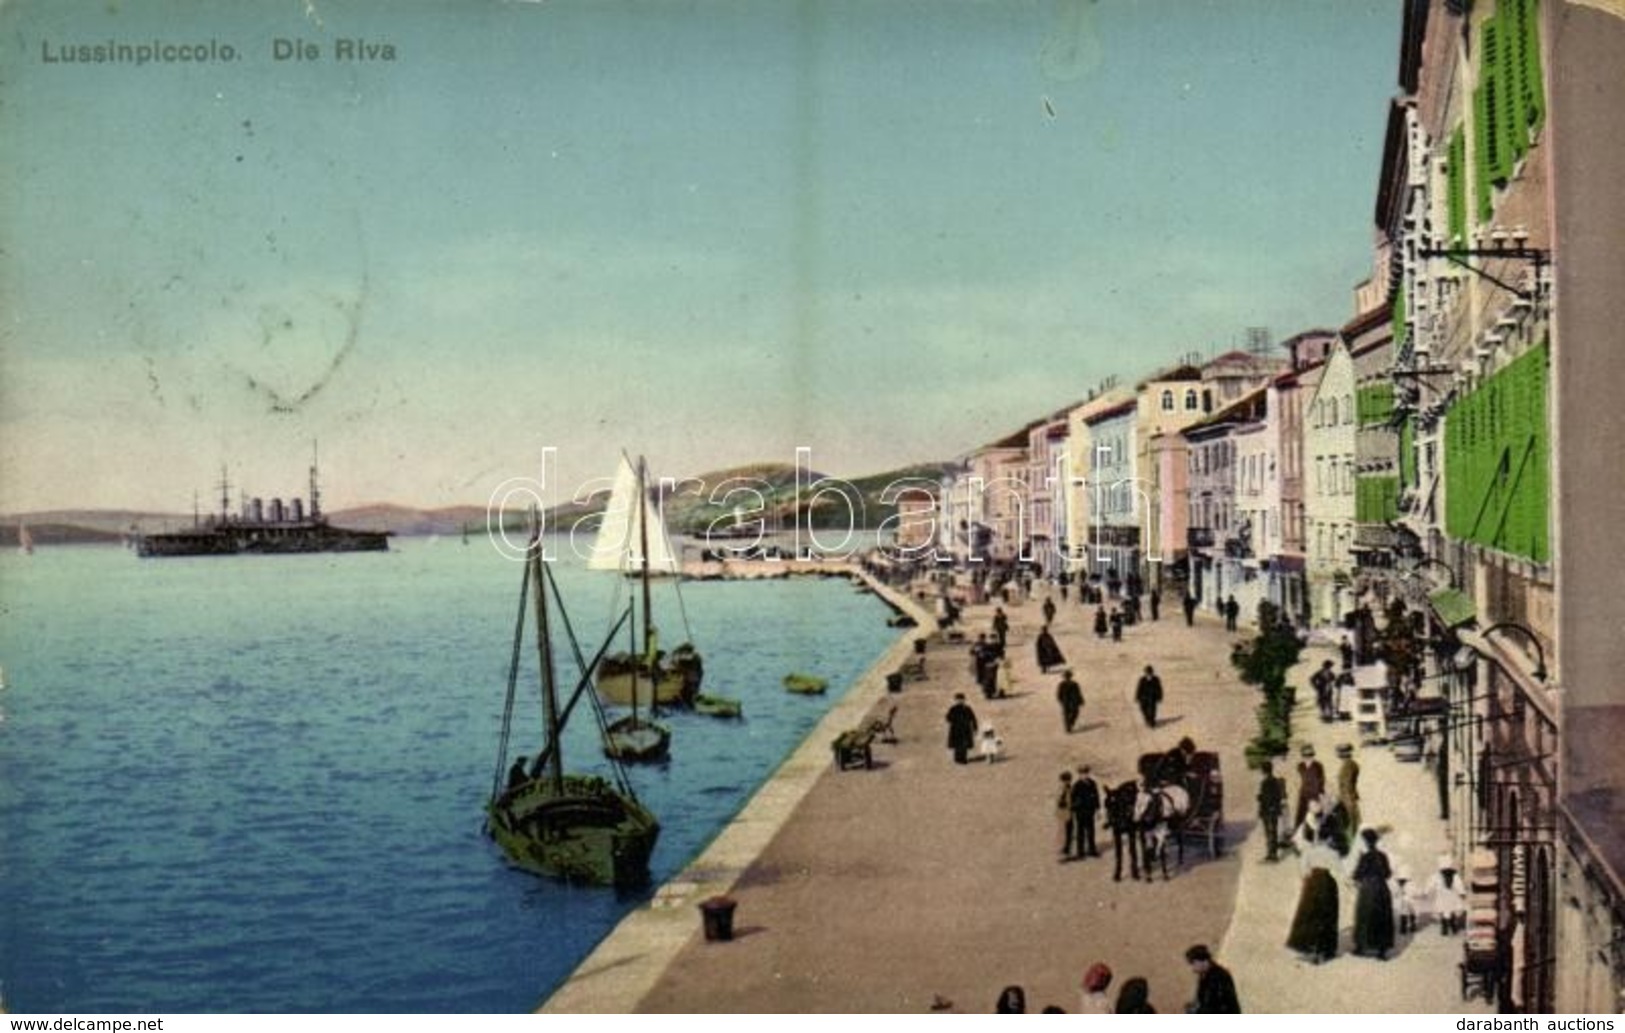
(1348,787)
(1323,681)
(1311,783)
(961,729)
(1085,805)
(1271,802)
(1148,693)
(1070,696)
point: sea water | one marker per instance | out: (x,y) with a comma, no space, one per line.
(256,783)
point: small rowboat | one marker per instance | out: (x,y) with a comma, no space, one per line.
(718,706)
(806,684)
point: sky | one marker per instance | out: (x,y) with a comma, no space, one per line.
(707,232)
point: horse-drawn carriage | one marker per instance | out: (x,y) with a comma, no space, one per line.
(1198,774)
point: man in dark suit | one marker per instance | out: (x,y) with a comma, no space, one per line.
(1085,804)
(1070,695)
(1148,693)
(961,729)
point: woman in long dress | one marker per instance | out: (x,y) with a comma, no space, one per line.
(1373,903)
(1314,926)
(1049,654)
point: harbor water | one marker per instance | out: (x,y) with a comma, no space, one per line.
(255,784)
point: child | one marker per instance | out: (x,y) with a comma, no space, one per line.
(991,745)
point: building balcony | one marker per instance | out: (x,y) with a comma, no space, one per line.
(1199,538)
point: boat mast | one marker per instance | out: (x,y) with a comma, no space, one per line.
(648,615)
(643,545)
(225,496)
(544,657)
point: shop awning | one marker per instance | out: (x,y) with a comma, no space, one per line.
(1453,607)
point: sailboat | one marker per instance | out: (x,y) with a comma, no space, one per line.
(25,540)
(582,828)
(635,737)
(644,671)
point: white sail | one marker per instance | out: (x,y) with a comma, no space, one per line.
(619,542)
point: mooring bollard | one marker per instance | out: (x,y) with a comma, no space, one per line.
(718,915)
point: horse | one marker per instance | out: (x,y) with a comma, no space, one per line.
(1121,804)
(1159,813)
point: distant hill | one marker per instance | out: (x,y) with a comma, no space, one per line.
(767,492)
(688,511)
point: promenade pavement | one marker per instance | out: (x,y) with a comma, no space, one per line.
(925,885)
(1401,801)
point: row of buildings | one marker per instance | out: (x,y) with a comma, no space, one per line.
(1450,445)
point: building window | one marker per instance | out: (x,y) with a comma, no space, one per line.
(1348,408)
(1190,400)
(1167,401)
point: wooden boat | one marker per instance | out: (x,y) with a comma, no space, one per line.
(636,739)
(718,706)
(632,539)
(806,684)
(577,827)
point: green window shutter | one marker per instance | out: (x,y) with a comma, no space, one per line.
(1513,67)
(1407,452)
(1481,168)
(1541,483)
(1399,316)
(1456,187)
(1497,146)
(1534,88)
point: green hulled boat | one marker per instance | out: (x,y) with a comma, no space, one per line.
(582,828)
(806,684)
(718,706)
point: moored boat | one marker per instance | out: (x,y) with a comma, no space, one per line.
(806,684)
(577,827)
(718,706)
(632,539)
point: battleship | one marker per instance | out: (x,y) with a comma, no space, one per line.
(262,529)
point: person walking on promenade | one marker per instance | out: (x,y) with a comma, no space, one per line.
(1001,626)
(1314,924)
(1049,609)
(961,729)
(1049,654)
(1085,804)
(1232,610)
(1070,695)
(1095,981)
(1117,624)
(1148,693)
(1064,831)
(1156,615)
(985,664)
(1323,681)
(1345,649)
(1311,784)
(1100,622)
(1373,901)
(1348,789)
(1215,989)
(1271,803)
(1135,996)
(1189,602)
